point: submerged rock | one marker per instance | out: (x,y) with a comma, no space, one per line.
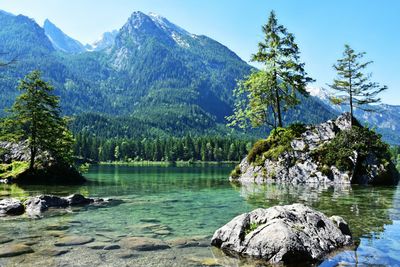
(143,244)
(11,250)
(300,161)
(290,234)
(73,241)
(53,252)
(11,206)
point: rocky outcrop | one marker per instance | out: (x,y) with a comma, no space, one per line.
(16,152)
(35,206)
(290,234)
(299,164)
(48,170)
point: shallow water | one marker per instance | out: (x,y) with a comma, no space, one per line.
(175,203)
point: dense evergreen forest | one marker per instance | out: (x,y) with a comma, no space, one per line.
(187,148)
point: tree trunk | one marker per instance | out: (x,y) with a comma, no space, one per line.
(351,109)
(32,160)
(278,102)
(278,108)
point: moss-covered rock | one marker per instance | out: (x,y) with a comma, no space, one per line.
(333,152)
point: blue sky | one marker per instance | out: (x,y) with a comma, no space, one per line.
(321,27)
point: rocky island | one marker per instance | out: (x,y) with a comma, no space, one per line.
(332,152)
(14,167)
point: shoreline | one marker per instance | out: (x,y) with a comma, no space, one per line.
(164,163)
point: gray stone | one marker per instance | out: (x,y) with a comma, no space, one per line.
(35,206)
(38,204)
(289,234)
(11,250)
(143,244)
(73,241)
(77,199)
(11,206)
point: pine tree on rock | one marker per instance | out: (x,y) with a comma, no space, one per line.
(275,88)
(36,118)
(353,86)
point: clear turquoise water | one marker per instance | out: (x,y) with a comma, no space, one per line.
(184,202)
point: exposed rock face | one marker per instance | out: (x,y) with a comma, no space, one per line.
(14,151)
(11,207)
(288,234)
(299,166)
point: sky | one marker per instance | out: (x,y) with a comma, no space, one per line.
(321,28)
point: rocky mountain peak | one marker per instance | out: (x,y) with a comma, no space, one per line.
(60,40)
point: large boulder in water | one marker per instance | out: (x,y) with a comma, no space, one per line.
(332,152)
(290,234)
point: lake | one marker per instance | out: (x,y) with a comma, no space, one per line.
(176,204)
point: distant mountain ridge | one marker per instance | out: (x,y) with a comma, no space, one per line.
(386,119)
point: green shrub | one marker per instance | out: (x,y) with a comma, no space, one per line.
(13,169)
(258,149)
(251,227)
(235,174)
(341,148)
(277,142)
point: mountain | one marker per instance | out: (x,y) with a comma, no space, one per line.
(60,40)
(386,119)
(106,41)
(22,37)
(152,75)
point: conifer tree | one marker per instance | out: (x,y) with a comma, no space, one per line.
(353,86)
(36,118)
(276,87)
